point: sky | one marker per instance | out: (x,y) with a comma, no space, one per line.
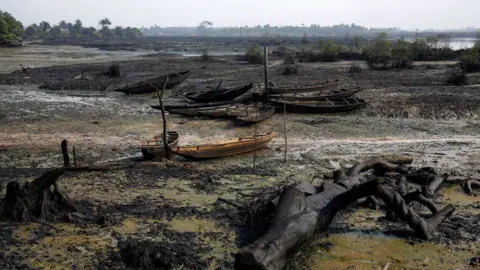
(406,14)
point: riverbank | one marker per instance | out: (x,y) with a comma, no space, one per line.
(175,203)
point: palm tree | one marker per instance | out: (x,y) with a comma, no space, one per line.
(44,26)
(105,22)
(77,27)
(63,24)
(119,32)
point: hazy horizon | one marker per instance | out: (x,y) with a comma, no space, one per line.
(405,14)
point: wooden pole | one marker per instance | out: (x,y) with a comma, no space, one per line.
(285,123)
(66,158)
(74,157)
(265,67)
(255,138)
(165,130)
(218,86)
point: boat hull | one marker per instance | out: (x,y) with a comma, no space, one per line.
(145,88)
(295,90)
(243,145)
(155,150)
(222,95)
(311,108)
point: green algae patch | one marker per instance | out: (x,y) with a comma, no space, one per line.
(354,251)
(68,246)
(192,225)
(221,241)
(364,218)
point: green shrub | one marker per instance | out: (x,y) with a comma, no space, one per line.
(456,77)
(287,54)
(469,60)
(379,54)
(254,54)
(323,51)
(290,70)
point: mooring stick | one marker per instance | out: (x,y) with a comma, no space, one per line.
(74,157)
(218,86)
(285,123)
(265,67)
(160,100)
(66,158)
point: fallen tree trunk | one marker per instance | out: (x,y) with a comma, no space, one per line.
(298,217)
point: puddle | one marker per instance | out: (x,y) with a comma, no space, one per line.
(456,195)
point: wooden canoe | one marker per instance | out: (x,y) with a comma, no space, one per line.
(218,95)
(143,87)
(196,111)
(155,147)
(305,89)
(192,105)
(223,149)
(326,106)
(228,111)
(249,118)
(333,95)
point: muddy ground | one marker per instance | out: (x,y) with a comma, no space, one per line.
(174,203)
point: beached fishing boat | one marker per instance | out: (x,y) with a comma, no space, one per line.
(144,87)
(196,111)
(304,89)
(250,118)
(218,95)
(332,95)
(192,105)
(325,106)
(155,148)
(228,111)
(223,149)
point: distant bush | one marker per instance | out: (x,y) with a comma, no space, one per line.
(254,54)
(470,61)
(113,71)
(456,77)
(205,57)
(355,68)
(290,70)
(401,55)
(287,54)
(379,54)
(324,51)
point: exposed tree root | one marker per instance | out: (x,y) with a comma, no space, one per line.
(434,185)
(297,217)
(468,186)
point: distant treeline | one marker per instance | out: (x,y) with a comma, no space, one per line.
(347,31)
(12,31)
(76,30)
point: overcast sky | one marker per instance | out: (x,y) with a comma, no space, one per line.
(406,14)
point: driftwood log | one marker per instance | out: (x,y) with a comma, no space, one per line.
(298,217)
